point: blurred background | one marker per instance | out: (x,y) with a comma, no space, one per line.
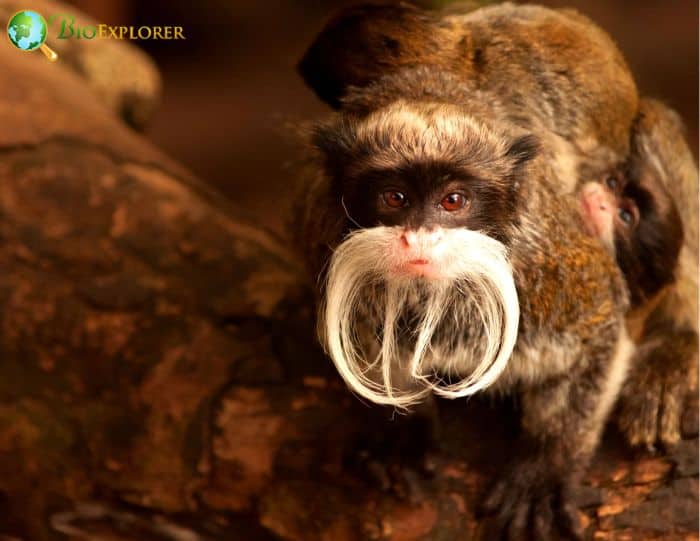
(231,87)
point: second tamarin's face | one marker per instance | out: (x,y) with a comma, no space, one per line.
(420,277)
(636,218)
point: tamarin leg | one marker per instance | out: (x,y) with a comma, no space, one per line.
(562,420)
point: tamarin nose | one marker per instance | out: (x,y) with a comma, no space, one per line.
(409,239)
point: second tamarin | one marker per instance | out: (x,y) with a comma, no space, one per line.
(664,318)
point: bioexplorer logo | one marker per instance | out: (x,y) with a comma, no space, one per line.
(27,30)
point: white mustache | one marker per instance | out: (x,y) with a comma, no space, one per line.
(474,291)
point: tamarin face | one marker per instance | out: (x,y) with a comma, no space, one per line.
(425,198)
(634,215)
(422,279)
(425,170)
(608,212)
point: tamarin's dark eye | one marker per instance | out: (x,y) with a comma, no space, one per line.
(628,215)
(395,199)
(613,183)
(453,201)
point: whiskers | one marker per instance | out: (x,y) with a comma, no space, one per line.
(322,272)
(347,213)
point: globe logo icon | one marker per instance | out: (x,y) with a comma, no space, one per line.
(27,31)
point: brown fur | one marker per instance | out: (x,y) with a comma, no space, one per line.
(529,57)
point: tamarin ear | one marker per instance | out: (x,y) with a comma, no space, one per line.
(523,149)
(361,44)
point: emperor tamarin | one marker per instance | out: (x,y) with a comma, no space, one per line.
(451,264)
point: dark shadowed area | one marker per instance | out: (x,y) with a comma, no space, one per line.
(231,90)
